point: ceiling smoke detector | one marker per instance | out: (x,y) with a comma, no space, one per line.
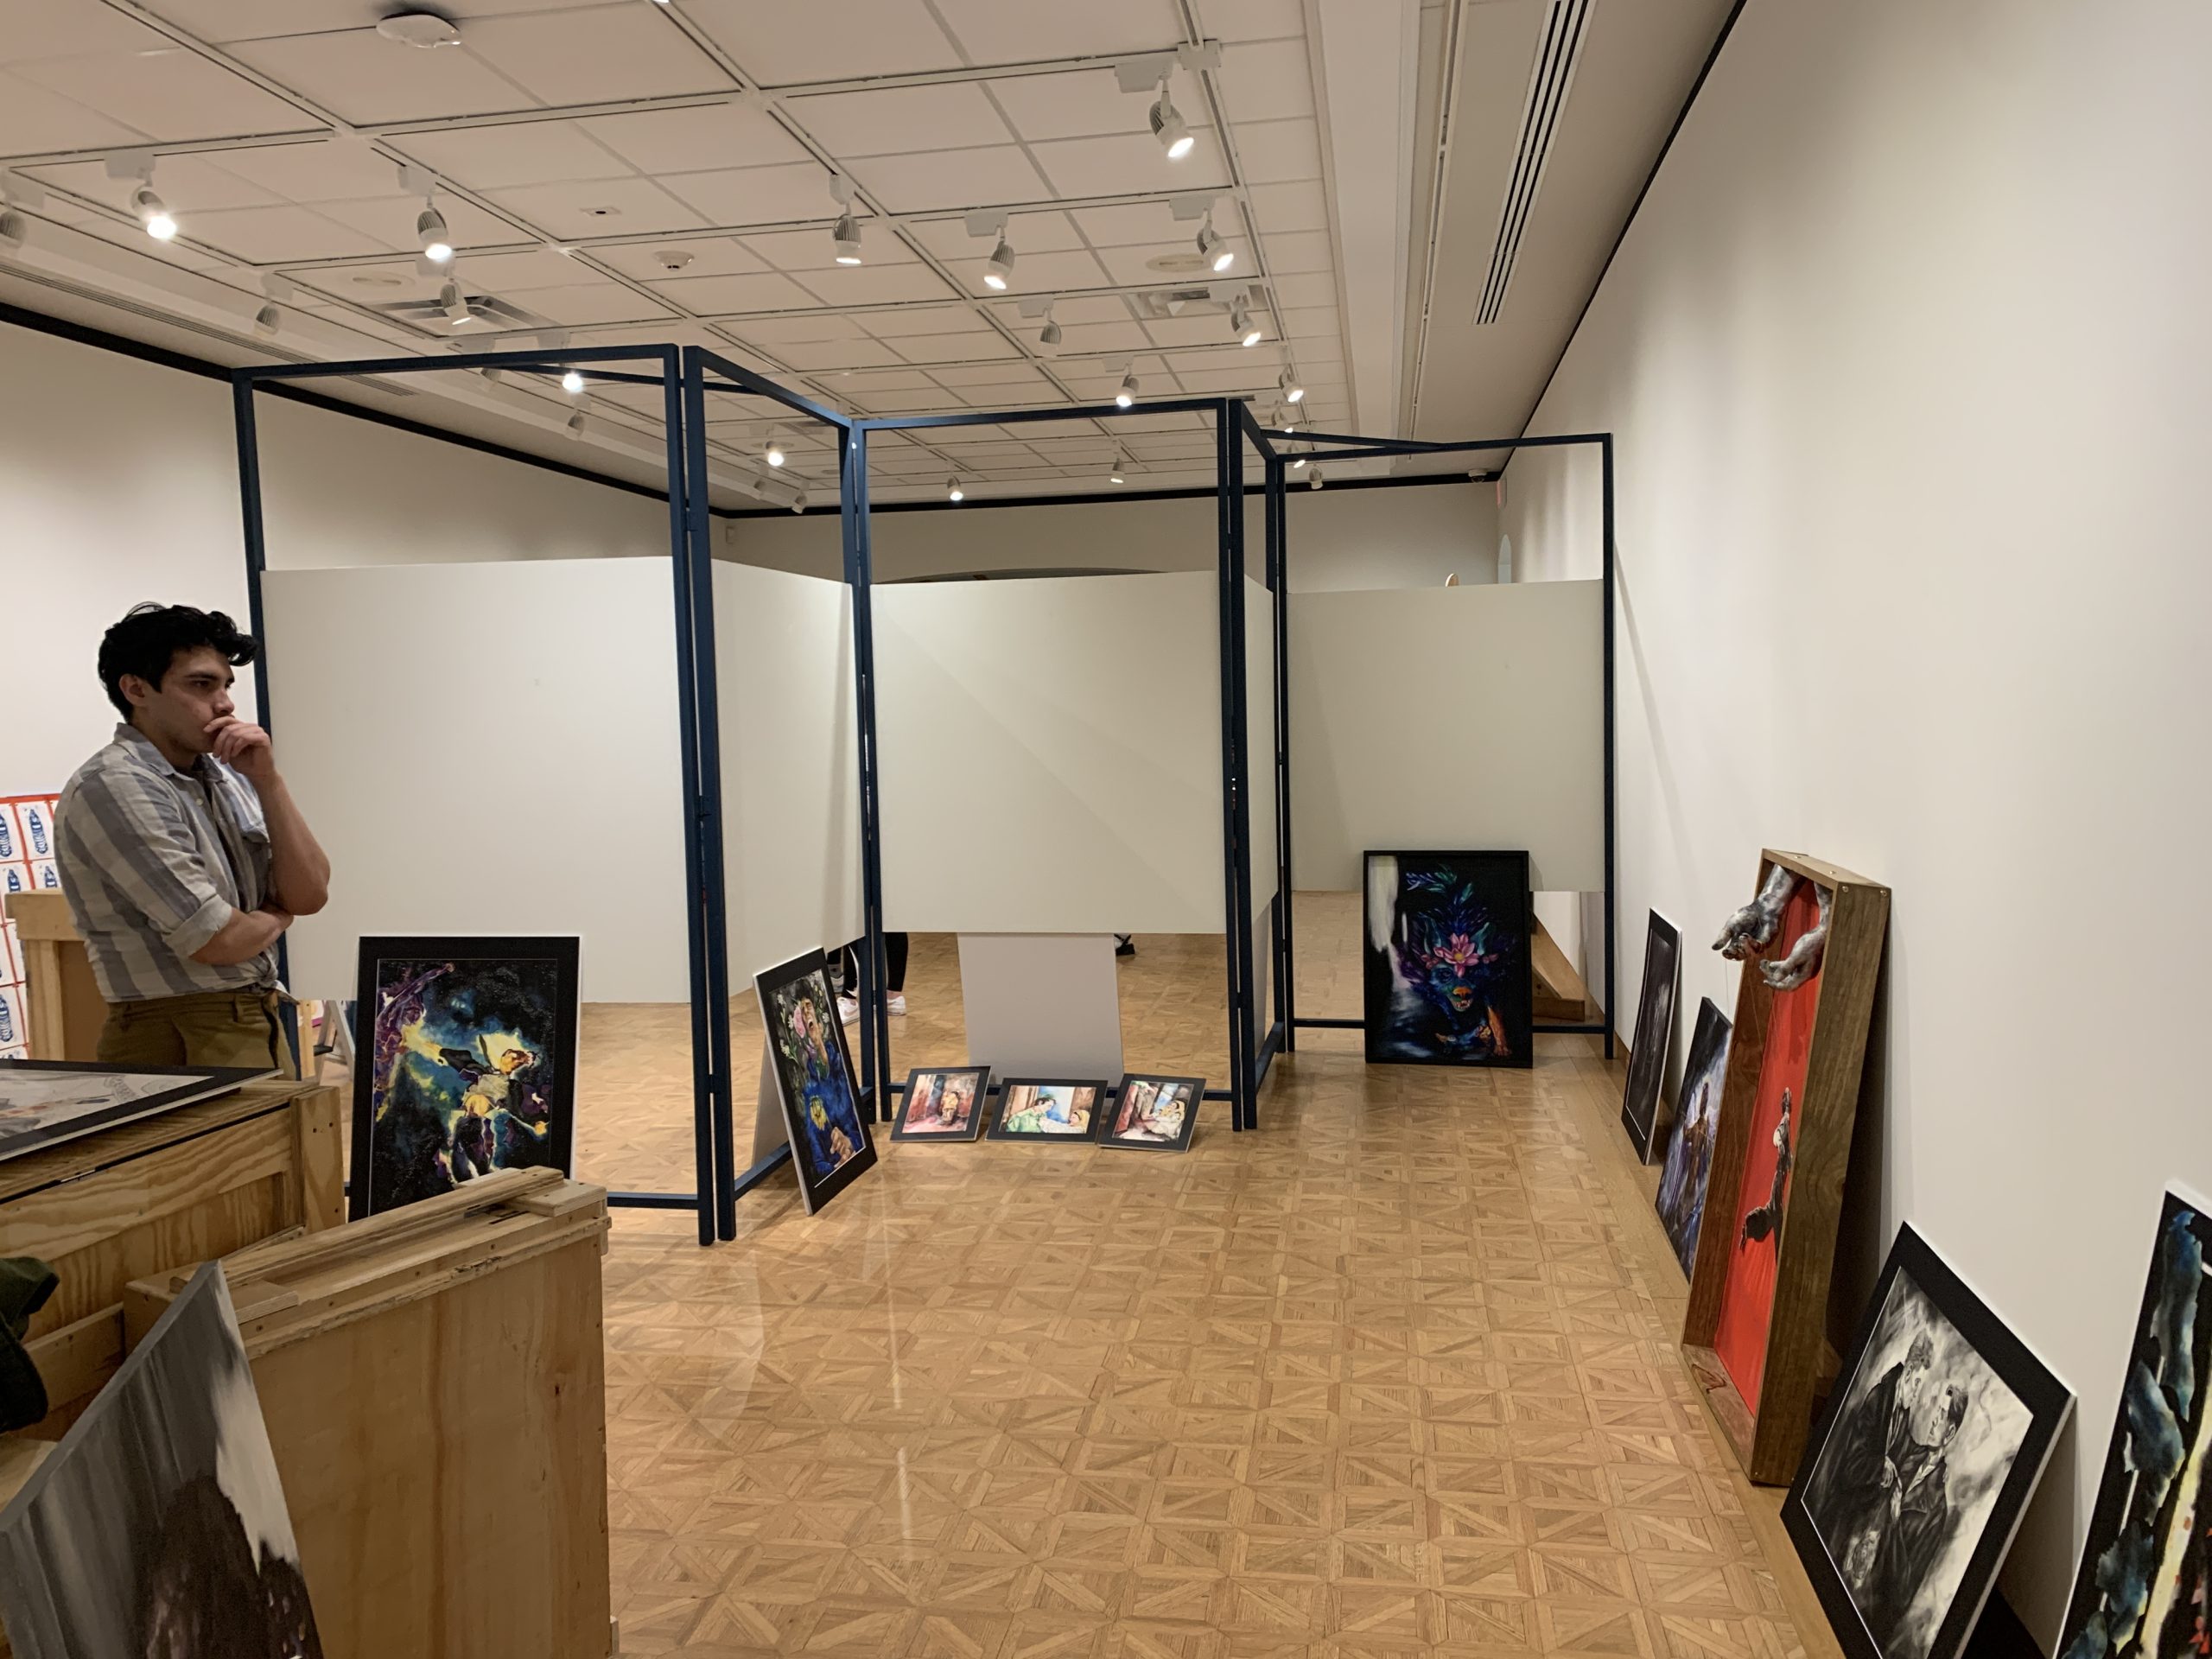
(672,258)
(424,29)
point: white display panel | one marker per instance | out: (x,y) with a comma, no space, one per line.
(487,748)
(791,765)
(1050,754)
(1449,717)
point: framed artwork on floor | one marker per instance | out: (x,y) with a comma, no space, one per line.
(1654,1030)
(1755,1328)
(1689,1152)
(2145,1585)
(464,1061)
(1913,1483)
(43,1103)
(831,1147)
(1448,979)
(942,1104)
(1047,1108)
(1152,1114)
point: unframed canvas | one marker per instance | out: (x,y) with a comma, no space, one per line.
(44,1103)
(465,1062)
(943,1102)
(2145,1582)
(1926,1454)
(1690,1151)
(158,1526)
(1655,1029)
(831,1147)
(1152,1114)
(1446,979)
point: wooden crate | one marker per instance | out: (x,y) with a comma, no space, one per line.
(142,1198)
(435,1386)
(63,998)
(1769,1441)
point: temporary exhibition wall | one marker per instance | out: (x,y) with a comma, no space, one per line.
(1449,717)
(1908,357)
(487,748)
(1051,754)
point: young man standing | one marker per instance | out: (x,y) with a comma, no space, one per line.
(183,853)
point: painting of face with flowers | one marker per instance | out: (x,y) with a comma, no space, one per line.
(830,1145)
(1448,975)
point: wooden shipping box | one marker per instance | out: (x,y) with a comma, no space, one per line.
(164,1192)
(434,1381)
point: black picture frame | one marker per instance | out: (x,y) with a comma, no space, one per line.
(1005,1108)
(1887,1596)
(802,984)
(1482,889)
(2159,1437)
(978,1111)
(399,1175)
(1194,1091)
(1680,1199)
(1654,1034)
(23,1129)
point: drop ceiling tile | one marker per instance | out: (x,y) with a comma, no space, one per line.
(367,80)
(869,385)
(894,120)
(1210,382)
(1291,253)
(68,28)
(837,285)
(1030,233)
(696,140)
(1252,20)
(920,182)
(756,195)
(390,221)
(596,207)
(186,183)
(1134,265)
(1103,337)
(1278,152)
(1008,377)
(766,291)
(1088,103)
(825,40)
(817,249)
(814,357)
(1033,273)
(951,348)
(1193,329)
(1312,322)
(269,235)
(923,319)
(580,303)
(33,119)
(517,153)
(706,256)
(1288,208)
(224,21)
(168,93)
(596,54)
(323,170)
(1082,307)
(1265,81)
(1018,31)
(1186,421)
(1141,222)
(520,272)
(1125,165)
(773,334)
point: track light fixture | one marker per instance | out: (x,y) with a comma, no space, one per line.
(576,424)
(497,377)
(1169,127)
(1241,324)
(798,501)
(1050,336)
(953,490)
(152,212)
(1214,249)
(1118,473)
(572,383)
(1287,418)
(1000,267)
(1292,392)
(1127,394)
(15,231)
(1299,466)
(773,454)
(1314,479)
(847,236)
(267,321)
(453,303)
(431,234)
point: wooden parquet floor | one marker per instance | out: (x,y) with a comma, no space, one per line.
(1393,1375)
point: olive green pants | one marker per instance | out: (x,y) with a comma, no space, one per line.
(210,1028)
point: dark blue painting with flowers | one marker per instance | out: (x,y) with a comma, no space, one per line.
(1447,962)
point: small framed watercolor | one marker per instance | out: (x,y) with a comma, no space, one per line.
(1047,1108)
(1152,1114)
(942,1104)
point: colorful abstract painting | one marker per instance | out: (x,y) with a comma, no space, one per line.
(1690,1153)
(1446,979)
(466,1063)
(831,1147)
(2146,1583)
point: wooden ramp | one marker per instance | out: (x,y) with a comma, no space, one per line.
(1560,995)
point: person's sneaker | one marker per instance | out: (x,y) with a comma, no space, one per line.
(848,1009)
(898,1001)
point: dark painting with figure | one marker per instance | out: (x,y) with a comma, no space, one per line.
(830,1145)
(1447,962)
(1654,1030)
(1689,1153)
(2146,1583)
(1915,1478)
(158,1526)
(464,1062)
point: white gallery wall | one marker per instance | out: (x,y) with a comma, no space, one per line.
(118,482)
(1405,537)
(1911,372)
(518,775)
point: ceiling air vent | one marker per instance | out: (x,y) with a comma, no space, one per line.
(1559,49)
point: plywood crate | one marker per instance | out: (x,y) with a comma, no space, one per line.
(434,1381)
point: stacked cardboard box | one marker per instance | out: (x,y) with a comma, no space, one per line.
(26,865)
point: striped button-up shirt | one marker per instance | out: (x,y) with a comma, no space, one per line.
(154,861)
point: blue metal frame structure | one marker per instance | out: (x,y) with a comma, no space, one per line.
(1350,445)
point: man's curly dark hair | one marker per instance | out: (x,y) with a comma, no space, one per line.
(147,640)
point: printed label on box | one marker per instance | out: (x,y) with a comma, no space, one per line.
(14,1023)
(9,847)
(37,820)
(46,875)
(15,878)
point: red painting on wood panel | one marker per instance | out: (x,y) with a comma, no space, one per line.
(1762,1199)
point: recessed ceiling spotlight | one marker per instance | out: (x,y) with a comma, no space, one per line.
(267,321)
(1214,249)
(424,29)
(1000,266)
(847,236)
(430,232)
(572,383)
(1127,394)
(953,490)
(1169,127)
(773,454)
(1292,391)
(152,212)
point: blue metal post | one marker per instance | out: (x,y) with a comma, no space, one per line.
(876,1016)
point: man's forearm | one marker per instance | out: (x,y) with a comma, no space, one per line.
(246,936)
(299,871)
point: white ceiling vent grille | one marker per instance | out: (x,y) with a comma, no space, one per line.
(1559,49)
